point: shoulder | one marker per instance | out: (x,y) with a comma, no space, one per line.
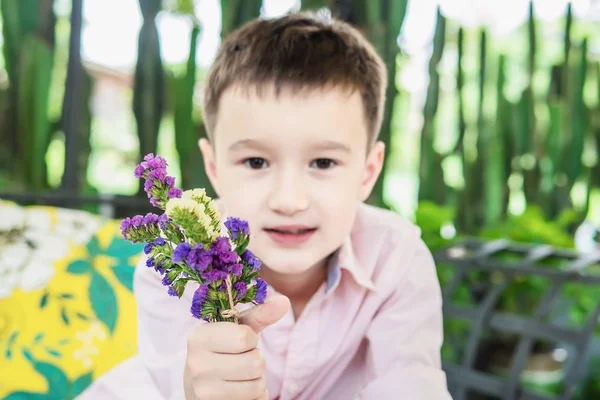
(388,245)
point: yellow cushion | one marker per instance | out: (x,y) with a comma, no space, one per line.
(67,311)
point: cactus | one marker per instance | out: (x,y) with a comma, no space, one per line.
(579,120)
(148,90)
(76,113)
(28,30)
(431,175)
(235,13)
(495,176)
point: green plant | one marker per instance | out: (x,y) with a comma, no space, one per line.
(149,88)
(29,58)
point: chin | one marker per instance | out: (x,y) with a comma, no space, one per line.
(288,261)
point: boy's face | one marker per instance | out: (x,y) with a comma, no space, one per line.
(295,167)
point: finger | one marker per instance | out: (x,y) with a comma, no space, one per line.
(243,390)
(231,367)
(261,316)
(222,337)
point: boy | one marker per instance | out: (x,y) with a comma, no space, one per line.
(292,107)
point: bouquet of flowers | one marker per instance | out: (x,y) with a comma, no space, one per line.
(189,242)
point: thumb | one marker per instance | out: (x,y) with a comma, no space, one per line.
(261,316)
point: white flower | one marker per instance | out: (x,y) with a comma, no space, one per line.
(198,195)
(47,246)
(36,274)
(14,256)
(11,217)
(184,204)
(88,348)
(77,225)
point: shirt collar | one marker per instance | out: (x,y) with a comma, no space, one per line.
(344,259)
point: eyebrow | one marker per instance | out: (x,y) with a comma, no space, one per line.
(256,144)
(246,143)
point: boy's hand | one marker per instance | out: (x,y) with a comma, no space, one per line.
(222,359)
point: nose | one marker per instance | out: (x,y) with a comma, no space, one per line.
(289,194)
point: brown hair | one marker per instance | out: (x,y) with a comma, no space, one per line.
(298,51)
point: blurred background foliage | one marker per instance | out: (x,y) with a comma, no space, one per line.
(492,110)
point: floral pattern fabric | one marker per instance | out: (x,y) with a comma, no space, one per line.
(67,311)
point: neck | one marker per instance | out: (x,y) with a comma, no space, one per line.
(300,287)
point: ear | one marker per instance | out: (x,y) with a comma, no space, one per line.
(208,156)
(373,168)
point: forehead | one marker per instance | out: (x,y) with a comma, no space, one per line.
(333,114)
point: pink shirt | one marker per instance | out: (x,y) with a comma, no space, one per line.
(372,331)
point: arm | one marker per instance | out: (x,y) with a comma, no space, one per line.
(164,323)
(406,335)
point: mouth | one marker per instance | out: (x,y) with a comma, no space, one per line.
(290,235)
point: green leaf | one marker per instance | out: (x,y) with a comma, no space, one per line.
(52,352)
(124,274)
(64,316)
(38,338)
(26,396)
(81,384)
(8,354)
(104,301)
(122,249)
(44,300)
(79,267)
(12,338)
(93,247)
(27,355)
(82,317)
(58,384)
(66,296)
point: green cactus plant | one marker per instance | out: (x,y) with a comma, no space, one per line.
(28,31)
(235,13)
(430,172)
(149,88)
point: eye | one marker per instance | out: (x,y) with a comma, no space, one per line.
(323,163)
(256,163)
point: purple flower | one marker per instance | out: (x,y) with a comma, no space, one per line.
(157,174)
(173,292)
(159,241)
(221,245)
(157,163)
(148,248)
(170,181)
(241,289)
(137,221)
(175,193)
(251,260)
(261,291)
(154,201)
(139,170)
(148,185)
(150,262)
(237,227)
(125,225)
(149,157)
(181,252)
(213,275)
(163,220)
(166,281)
(198,301)
(199,258)
(150,218)
(235,269)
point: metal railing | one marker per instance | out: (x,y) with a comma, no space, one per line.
(466,380)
